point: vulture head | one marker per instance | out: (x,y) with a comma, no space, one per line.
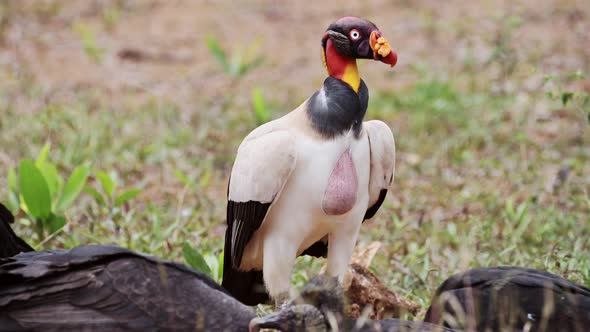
(319,307)
(357,38)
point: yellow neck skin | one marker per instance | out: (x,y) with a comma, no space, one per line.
(352,77)
(342,68)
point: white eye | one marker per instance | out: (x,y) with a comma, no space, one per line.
(354,34)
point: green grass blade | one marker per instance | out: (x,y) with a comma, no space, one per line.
(95,194)
(261,112)
(127,196)
(217,52)
(106,182)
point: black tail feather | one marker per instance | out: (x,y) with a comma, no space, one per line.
(248,287)
(10,243)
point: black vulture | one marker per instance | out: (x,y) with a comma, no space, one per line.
(320,307)
(107,288)
(10,244)
(511,299)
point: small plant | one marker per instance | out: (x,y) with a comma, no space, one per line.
(89,42)
(41,193)
(262,113)
(239,63)
(209,264)
(107,195)
(561,90)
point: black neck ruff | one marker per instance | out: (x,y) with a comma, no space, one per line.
(339,110)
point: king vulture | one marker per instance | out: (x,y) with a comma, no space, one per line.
(511,299)
(304,183)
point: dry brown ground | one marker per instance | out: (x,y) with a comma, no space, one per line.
(41,42)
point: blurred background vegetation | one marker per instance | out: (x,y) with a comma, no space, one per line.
(119,121)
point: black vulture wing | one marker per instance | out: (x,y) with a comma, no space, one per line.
(511,298)
(105,288)
(10,243)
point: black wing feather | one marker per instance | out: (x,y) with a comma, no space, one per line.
(375,207)
(243,219)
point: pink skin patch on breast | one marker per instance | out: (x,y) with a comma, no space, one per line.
(340,194)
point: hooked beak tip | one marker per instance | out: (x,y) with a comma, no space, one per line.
(382,51)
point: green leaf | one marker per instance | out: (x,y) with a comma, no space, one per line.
(205,178)
(566,96)
(106,182)
(213,265)
(55,223)
(12,203)
(217,52)
(42,158)
(34,190)
(220,267)
(182,177)
(126,196)
(12,183)
(547,78)
(95,194)
(247,67)
(53,179)
(73,187)
(194,259)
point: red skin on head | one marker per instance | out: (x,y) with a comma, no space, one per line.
(336,63)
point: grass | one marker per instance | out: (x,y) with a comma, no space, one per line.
(489,172)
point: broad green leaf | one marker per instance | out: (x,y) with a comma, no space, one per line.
(42,157)
(73,187)
(106,182)
(12,183)
(53,179)
(126,196)
(95,194)
(194,259)
(34,190)
(55,223)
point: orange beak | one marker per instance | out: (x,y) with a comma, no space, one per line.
(382,51)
